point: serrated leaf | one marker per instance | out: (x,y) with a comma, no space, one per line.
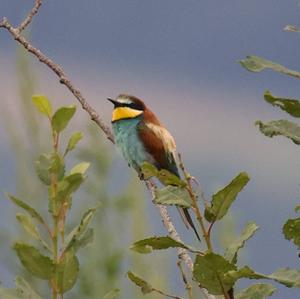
(258,64)
(172,195)
(114,293)
(291,231)
(77,237)
(42,104)
(25,290)
(75,138)
(37,264)
(62,117)
(66,272)
(231,252)
(146,288)
(280,127)
(48,164)
(256,291)
(291,106)
(222,200)
(156,243)
(209,271)
(31,211)
(80,168)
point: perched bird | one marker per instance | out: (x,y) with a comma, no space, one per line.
(142,138)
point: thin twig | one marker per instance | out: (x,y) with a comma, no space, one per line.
(188,287)
(195,204)
(183,253)
(30,16)
(164,294)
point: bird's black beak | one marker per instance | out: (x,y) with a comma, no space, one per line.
(115,103)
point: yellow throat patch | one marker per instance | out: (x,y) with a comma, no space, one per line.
(125,112)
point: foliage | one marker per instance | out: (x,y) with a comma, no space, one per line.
(282,127)
(213,271)
(111,220)
(61,266)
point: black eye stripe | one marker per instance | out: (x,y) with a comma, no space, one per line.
(135,106)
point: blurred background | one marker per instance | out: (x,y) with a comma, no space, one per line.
(181,58)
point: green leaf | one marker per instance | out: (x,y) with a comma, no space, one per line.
(114,293)
(165,176)
(256,291)
(258,64)
(80,168)
(291,28)
(145,286)
(291,106)
(62,117)
(173,195)
(75,138)
(22,291)
(156,243)
(231,252)
(25,290)
(37,264)
(9,294)
(43,105)
(67,187)
(66,272)
(83,240)
(31,211)
(209,271)
(288,277)
(149,170)
(48,164)
(297,209)
(31,229)
(42,166)
(280,127)
(291,231)
(28,225)
(77,237)
(222,200)
(245,272)
(168,178)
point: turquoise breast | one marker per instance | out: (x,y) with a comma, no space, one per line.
(127,140)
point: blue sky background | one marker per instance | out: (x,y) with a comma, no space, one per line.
(181,58)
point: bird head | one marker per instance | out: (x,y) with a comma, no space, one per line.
(126,107)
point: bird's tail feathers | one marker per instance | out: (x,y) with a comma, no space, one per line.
(188,221)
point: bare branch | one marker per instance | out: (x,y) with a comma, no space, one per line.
(31,14)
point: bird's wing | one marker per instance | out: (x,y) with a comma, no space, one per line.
(160,144)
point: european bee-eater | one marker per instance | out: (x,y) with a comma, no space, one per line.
(142,138)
